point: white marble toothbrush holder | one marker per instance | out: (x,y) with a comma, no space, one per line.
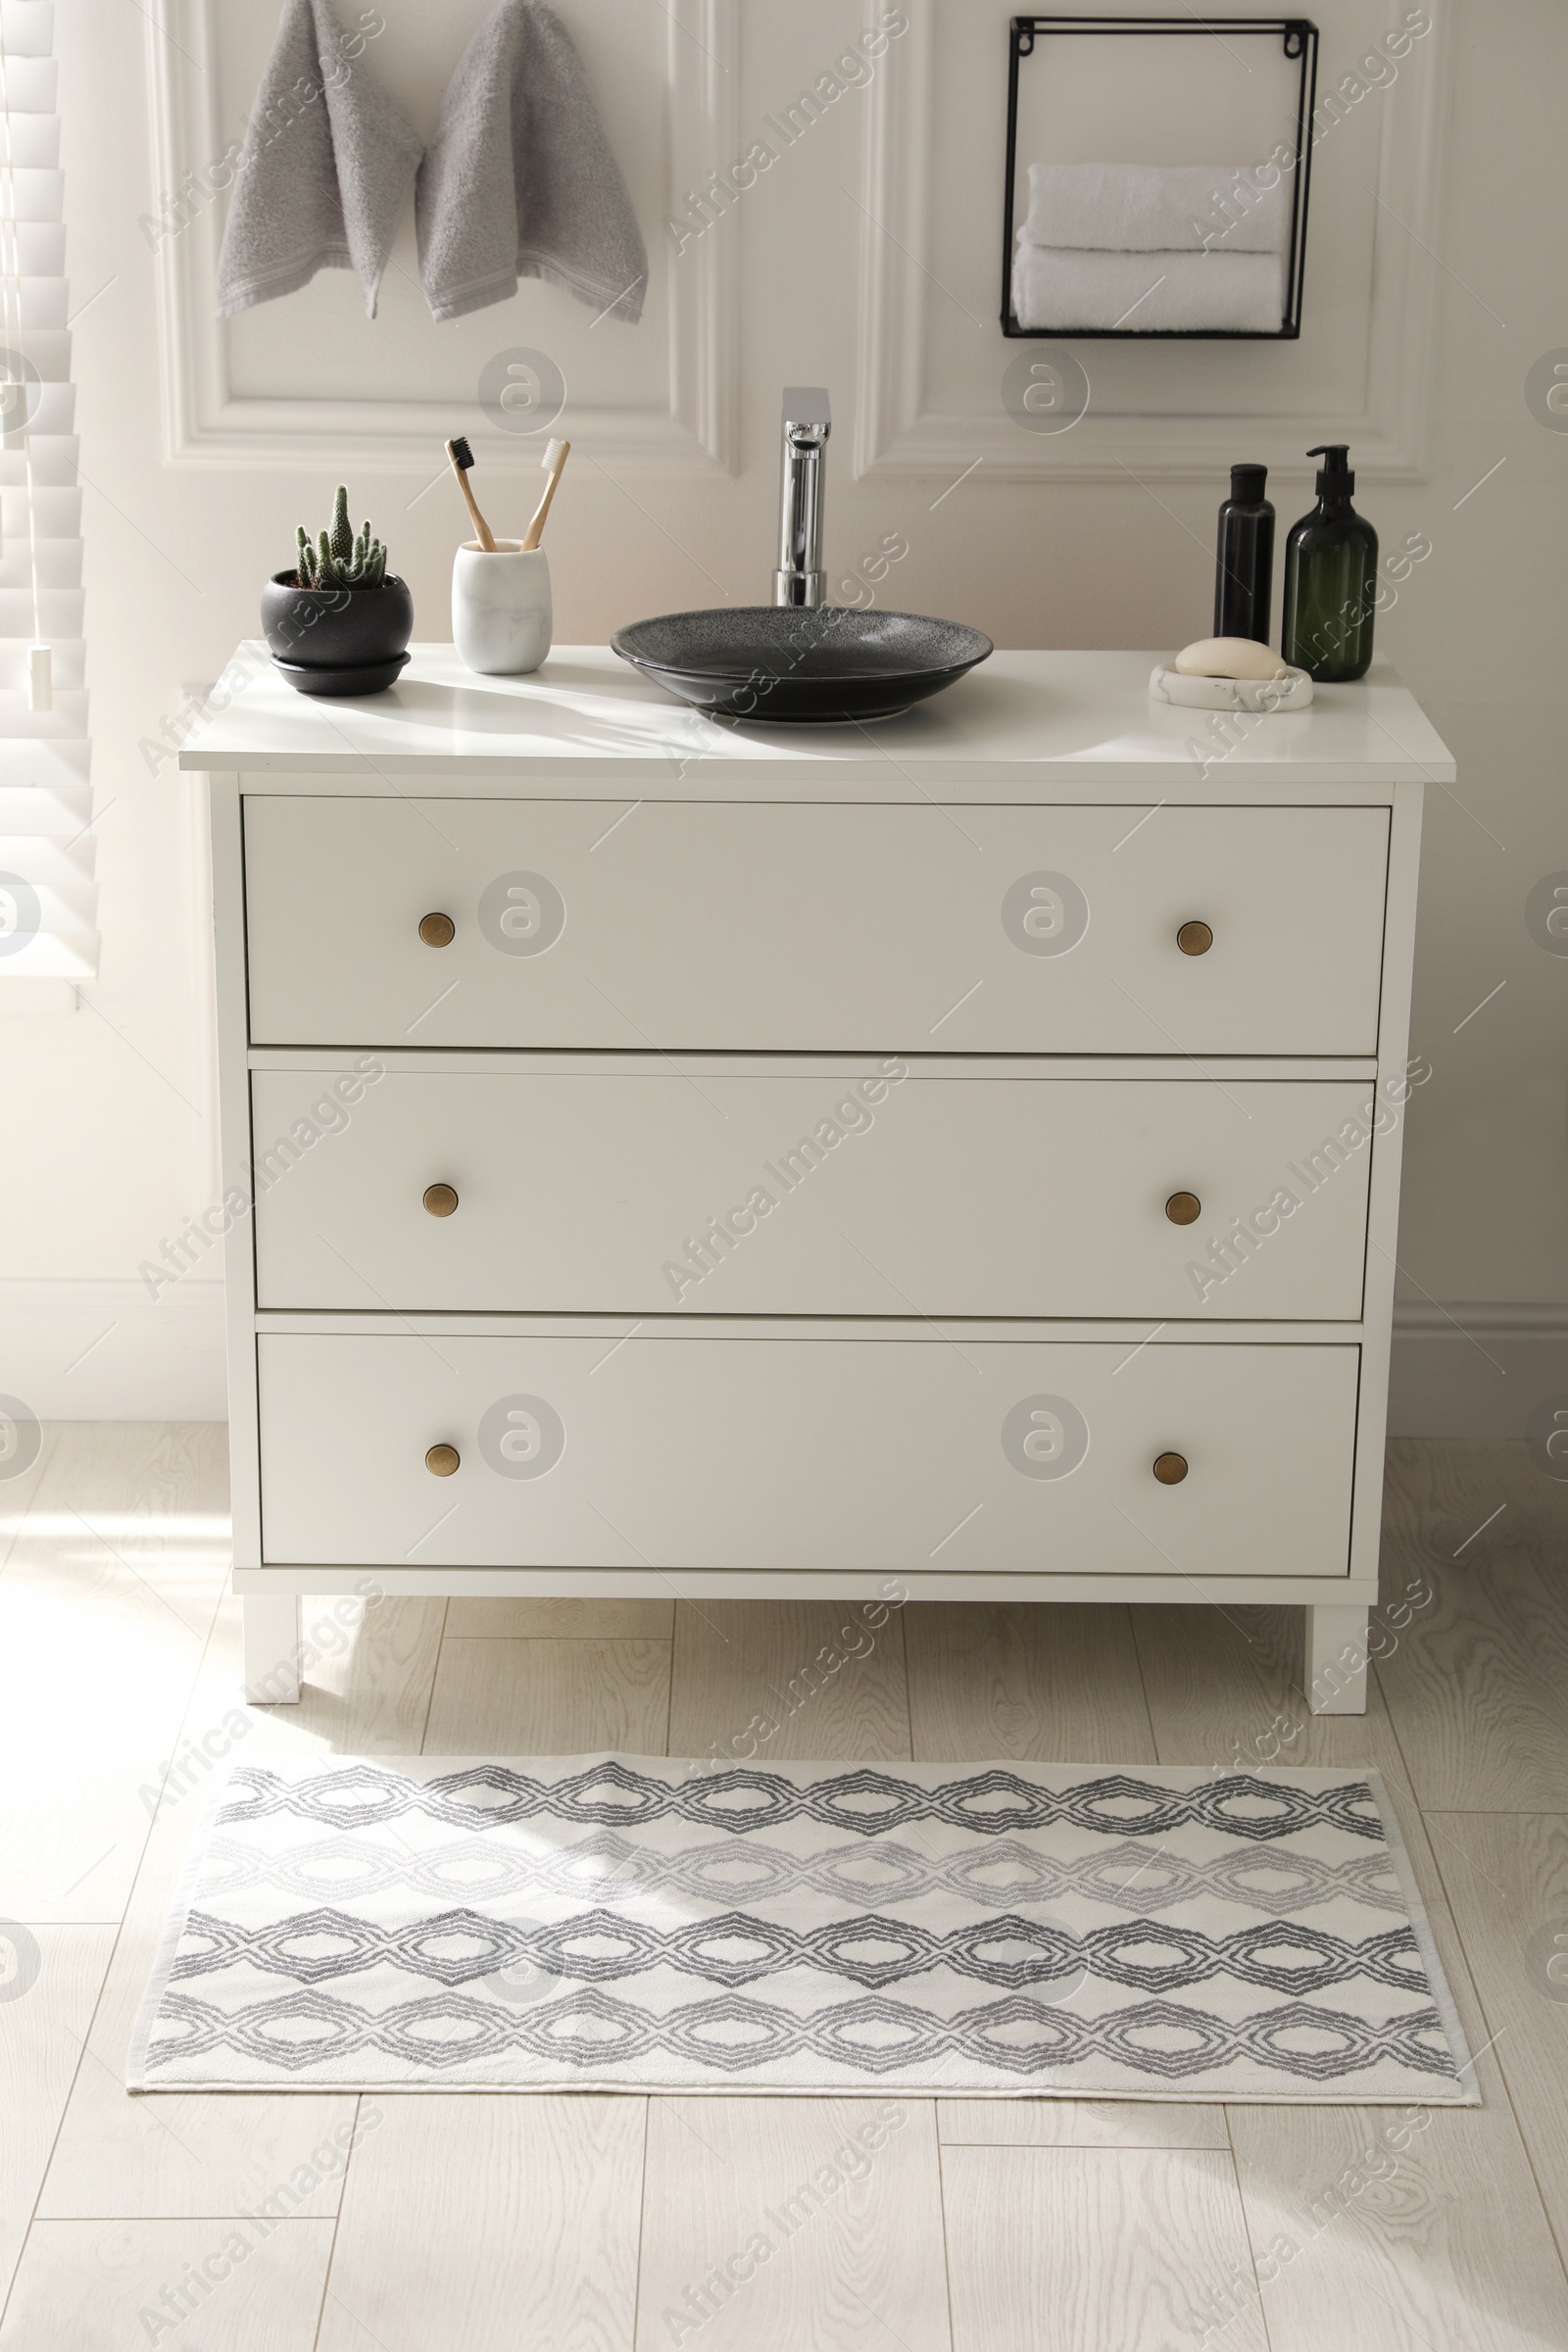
(502,616)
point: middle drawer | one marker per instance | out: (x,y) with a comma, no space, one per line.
(884,1188)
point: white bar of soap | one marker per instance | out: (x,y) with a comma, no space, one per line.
(1229,658)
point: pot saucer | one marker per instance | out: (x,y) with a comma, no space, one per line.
(361,677)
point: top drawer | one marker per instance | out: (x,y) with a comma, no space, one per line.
(830,928)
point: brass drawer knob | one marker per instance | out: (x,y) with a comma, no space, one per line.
(1169,1468)
(1192,939)
(442,1460)
(440,1199)
(437,930)
(1182,1209)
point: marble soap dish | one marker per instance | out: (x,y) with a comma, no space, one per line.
(1230,673)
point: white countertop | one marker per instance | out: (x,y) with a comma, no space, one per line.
(1022,723)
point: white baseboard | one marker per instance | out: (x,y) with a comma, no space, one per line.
(1474,1372)
(107,1351)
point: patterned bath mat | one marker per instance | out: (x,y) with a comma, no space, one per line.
(628,1923)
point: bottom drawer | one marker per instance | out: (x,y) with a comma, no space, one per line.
(675,1450)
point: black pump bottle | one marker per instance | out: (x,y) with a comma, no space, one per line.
(1331,564)
(1243,561)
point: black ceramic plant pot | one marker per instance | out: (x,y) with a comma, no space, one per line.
(337,640)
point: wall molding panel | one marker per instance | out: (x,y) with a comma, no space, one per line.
(689,428)
(905,308)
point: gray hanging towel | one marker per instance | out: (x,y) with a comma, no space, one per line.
(519,179)
(325,171)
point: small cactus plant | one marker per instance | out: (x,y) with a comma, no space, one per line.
(341,558)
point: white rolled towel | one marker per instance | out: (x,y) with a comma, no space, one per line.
(1156,208)
(1146,293)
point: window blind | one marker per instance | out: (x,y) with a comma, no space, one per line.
(47,891)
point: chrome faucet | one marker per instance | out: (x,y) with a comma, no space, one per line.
(807,421)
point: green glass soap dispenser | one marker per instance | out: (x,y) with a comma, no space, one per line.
(1331,563)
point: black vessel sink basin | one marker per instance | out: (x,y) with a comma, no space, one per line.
(783,662)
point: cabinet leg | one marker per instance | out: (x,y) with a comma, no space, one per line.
(272,1648)
(1336,1662)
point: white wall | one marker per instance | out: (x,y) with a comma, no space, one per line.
(867,258)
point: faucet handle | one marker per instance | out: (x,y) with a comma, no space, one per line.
(807,411)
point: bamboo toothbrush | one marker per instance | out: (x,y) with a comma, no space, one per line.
(461,453)
(554,463)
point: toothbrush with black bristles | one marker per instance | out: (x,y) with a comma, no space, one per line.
(460,450)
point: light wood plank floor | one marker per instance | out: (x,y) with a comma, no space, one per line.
(525,2224)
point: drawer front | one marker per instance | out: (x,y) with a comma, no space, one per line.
(880,1192)
(679,1450)
(766,927)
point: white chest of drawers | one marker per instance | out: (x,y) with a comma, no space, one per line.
(964,1152)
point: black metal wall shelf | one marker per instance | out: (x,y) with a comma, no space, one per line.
(1030,36)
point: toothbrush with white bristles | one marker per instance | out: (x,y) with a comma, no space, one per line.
(554,463)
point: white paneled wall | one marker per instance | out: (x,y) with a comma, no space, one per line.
(867,257)
(47,891)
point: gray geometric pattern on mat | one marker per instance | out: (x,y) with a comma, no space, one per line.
(626,1922)
(599,1947)
(873,2035)
(864,1799)
(1273,1881)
